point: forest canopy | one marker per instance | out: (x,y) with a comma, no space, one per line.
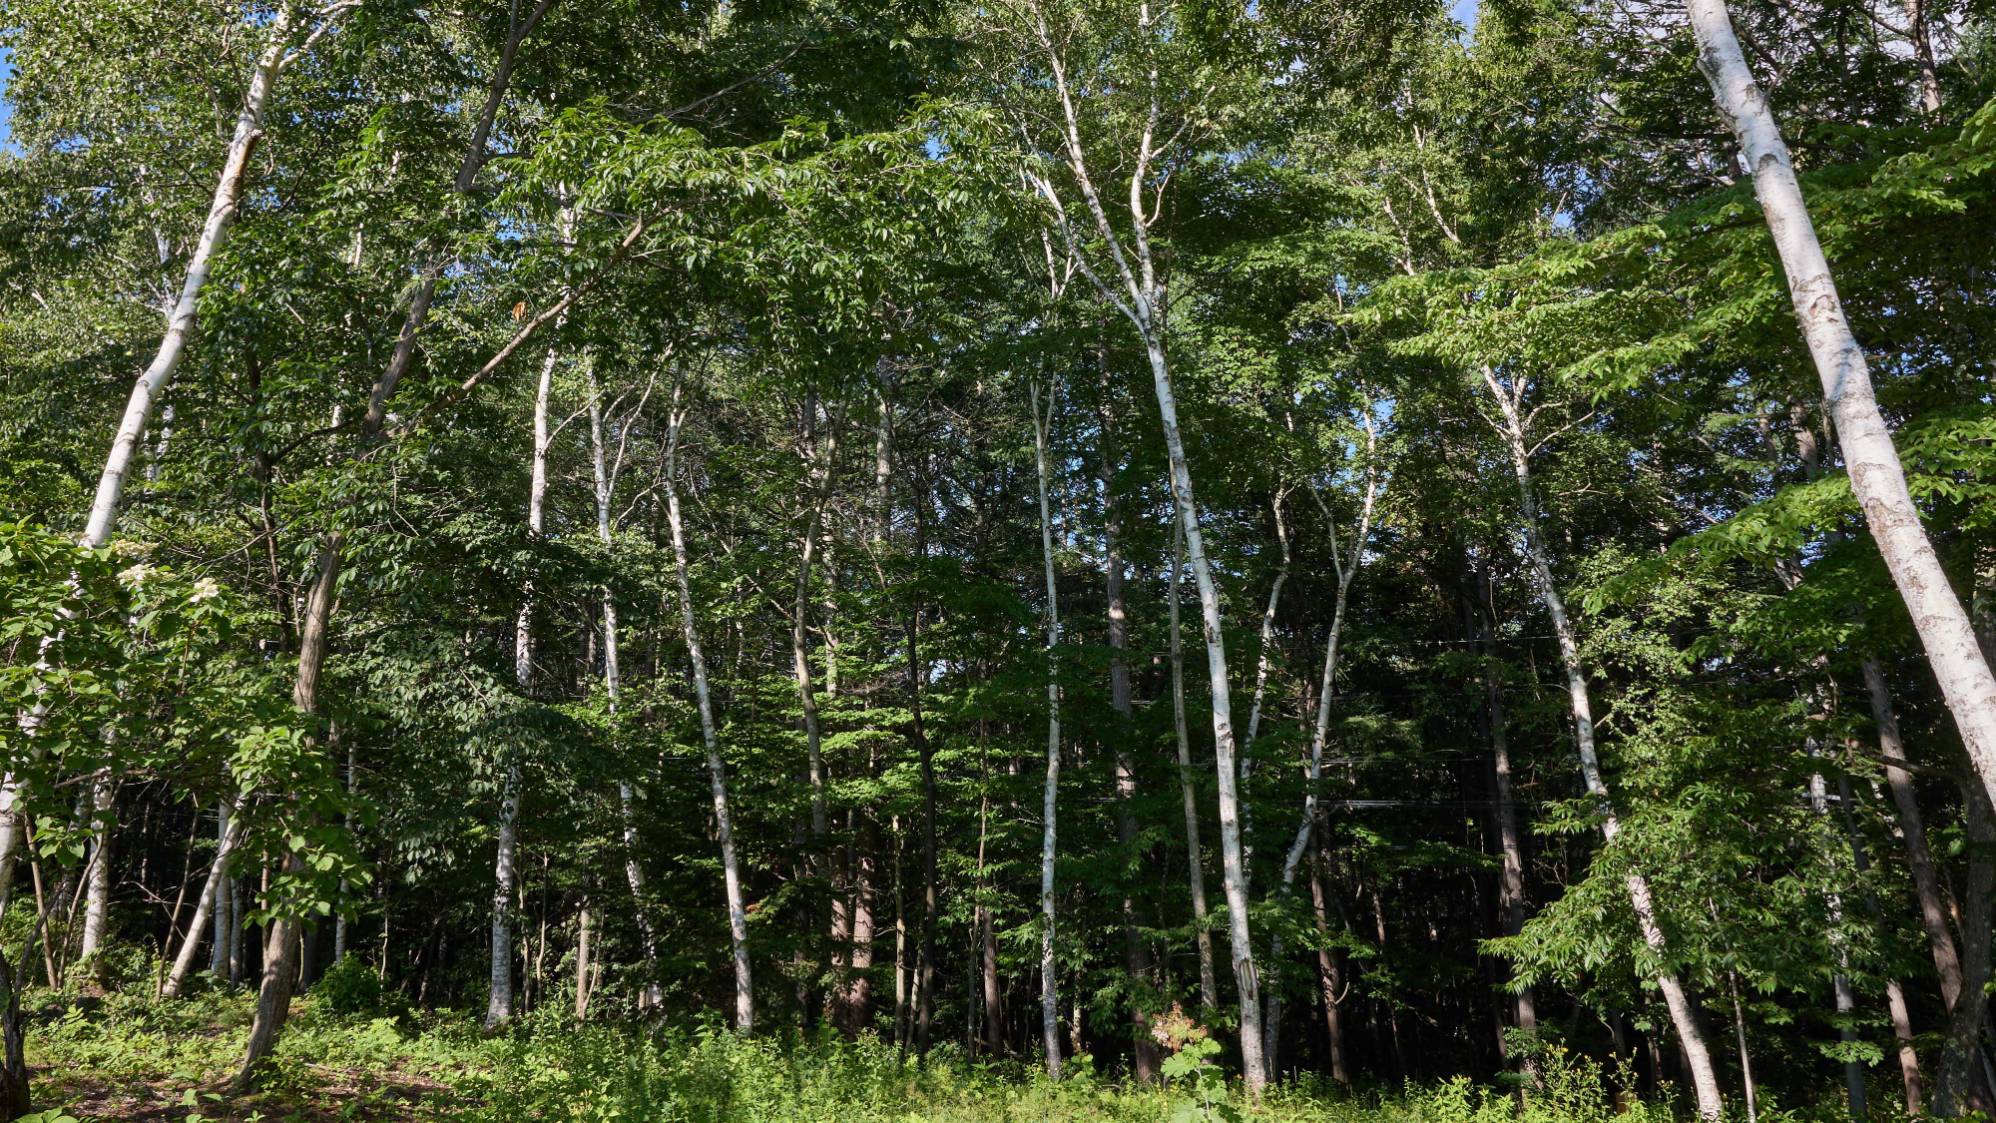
(1242,556)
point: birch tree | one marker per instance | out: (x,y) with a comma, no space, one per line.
(717,772)
(1513,423)
(1059,169)
(1876,475)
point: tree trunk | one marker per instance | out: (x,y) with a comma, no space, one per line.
(280,949)
(499,1004)
(1510,841)
(15,1099)
(1902,1035)
(1683,1015)
(1746,1058)
(1195,871)
(582,949)
(1877,478)
(1136,953)
(1233,870)
(634,871)
(224,901)
(222,210)
(97,894)
(717,769)
(1330,978)
(1263,660)
(925,974)
(1919,860)
(1960,1087)
(1049,970)
(1320,731)
(213,890)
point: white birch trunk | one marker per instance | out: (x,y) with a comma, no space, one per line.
(97,897)
(222,210)
(717,769)
(1876,475)
(499,1002)
(1140,297)
(1195,871)
(224,911)
(1049,969)
(634,872)
(1320,731)
(213,900)
(1683,1015)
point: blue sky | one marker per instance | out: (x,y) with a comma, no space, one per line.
(6,106)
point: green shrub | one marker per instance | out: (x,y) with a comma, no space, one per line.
(351,989)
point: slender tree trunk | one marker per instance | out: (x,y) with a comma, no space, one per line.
(1683,1015)
(97,894)
(1136,953)
(1330,976)
(1263,661)
(1746,1058)
(340,922)
(1510,840)
(925,975)
(634,871)
(582,950)
(1049,970)
(717,769)
(277,55)
(499,1004)
(1912,826)
(213,890)
(1876,475)
(994,994)
(1233,870)
(1209,989)
(224,900)
(1961,1087)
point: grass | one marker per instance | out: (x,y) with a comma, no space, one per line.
(121,1057)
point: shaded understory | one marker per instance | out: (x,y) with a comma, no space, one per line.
(119,1057)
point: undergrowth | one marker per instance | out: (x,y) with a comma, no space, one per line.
(351,1053)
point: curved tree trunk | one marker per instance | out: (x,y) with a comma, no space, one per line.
(180,323)
(212,891)
(717,769)
(1683,1014)
(1877,477)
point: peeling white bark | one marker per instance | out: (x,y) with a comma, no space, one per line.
(1877,477)
(717,769)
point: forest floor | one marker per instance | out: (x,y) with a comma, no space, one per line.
(119,1057)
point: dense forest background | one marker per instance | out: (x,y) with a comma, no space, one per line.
(1051,531)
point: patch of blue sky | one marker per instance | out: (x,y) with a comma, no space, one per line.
(6,103)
